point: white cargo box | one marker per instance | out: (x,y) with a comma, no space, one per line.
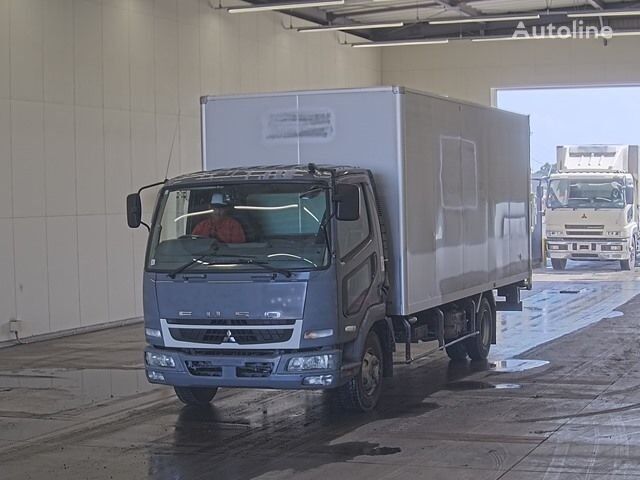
(453,177)
(597,158)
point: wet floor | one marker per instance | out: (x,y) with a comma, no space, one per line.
(558,399)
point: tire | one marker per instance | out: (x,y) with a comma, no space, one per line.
(478,347)
(195,396)
(631,263)
(457,351)
(362,392)
(559,263)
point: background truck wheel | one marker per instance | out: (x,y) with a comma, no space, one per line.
(478,346)
(629,264)
(457,351)
(559,263)
(363,391)
(198,397)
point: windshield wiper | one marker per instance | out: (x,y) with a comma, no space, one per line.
(213,248)
(250,261)
(237,259)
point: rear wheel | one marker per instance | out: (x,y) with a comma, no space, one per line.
(363,391)
(478,346)
(559,263)
(195,396)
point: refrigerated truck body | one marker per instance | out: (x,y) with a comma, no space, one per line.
(370,217)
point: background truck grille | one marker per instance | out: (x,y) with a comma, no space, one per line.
(585,230)
(242,337)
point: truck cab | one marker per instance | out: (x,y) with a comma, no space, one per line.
(592,206)
(306,277)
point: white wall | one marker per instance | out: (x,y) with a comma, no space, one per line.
(90,93)
(469,71)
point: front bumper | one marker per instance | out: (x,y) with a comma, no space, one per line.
(582,249)
(249,371)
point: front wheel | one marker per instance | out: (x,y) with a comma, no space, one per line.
(479,345)
(195,396)
(629,264)
(363,391)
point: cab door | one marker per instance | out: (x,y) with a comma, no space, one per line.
(359,261)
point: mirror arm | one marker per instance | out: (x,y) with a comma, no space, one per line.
(151,185)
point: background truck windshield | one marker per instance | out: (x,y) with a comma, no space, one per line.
(240,227)
(586,193)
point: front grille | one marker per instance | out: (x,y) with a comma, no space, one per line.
(584,227)
(231,353)
(230,322)
(253,336)
(585,255)
(203,368)
(583,233)
(254,370)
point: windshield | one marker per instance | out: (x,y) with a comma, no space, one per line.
(586,193)
(241,227)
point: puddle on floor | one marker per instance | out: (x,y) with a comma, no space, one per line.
(475,385)
(355,449)
(515,365)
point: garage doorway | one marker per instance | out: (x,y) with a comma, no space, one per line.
(570,116)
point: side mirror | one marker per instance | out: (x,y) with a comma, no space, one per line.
(134,210)
(347,202)
(628,193)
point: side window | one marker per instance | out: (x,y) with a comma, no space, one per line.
(352,234)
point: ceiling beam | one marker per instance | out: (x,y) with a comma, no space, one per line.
(597,4)
(459,6)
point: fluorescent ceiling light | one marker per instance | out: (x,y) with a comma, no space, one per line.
(363,26)
(633,33)
(483,19)
(400,43)
(605,13)
(626,34)
(284,6)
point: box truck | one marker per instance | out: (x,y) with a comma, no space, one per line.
(592,205)
(325,228)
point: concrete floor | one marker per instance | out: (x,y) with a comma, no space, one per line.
(80,407)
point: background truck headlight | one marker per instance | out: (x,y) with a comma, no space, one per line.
(159,360)
(312,362)
(553,233)
(613,234)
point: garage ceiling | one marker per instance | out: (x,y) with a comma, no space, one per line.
(415,19)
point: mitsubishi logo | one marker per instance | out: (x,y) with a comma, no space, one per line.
(584,215)
(228,338)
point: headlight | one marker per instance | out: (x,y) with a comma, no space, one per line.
(613,234)
(153,332)
(553,233)
(159,360)
(615,248)
(554,247)
(312,362)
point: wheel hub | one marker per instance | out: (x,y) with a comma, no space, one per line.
(370,372)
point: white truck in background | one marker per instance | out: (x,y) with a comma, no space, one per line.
(592,205)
